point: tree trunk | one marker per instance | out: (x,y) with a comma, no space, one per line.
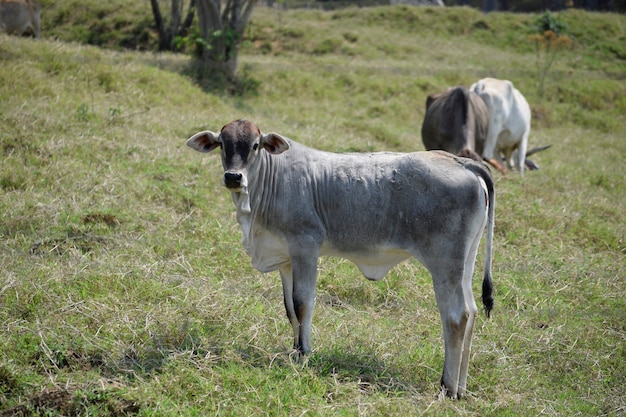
(222,30)
(176,27)
(191,11)
(490,6)
(175,15)
(164,41)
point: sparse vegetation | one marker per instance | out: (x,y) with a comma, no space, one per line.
(124,289)
(549,43)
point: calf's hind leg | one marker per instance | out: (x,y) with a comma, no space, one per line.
(473,313)
(455,319)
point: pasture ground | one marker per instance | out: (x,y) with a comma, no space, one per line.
(123,286)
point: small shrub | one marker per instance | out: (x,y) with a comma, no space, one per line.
(550,41)
(327,46)
(82,113)
(548,22)
(350,37)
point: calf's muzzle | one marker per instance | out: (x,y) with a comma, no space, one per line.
(232,180)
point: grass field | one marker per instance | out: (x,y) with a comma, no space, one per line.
(124,289)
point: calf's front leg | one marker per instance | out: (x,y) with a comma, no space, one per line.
(286,276)
(304,279)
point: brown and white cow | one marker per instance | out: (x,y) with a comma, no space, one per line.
(295,203)
(20,17)
(456,121)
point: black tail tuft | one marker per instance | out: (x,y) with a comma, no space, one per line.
(488,294)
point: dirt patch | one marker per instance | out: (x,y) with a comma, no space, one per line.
(84,242)
(108,219)
(70,404)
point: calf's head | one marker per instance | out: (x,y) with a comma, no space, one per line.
(241,142)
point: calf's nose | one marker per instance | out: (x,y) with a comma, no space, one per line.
(232,179)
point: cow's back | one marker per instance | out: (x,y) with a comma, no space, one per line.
(354,203)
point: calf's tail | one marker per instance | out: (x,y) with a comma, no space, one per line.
(487,295)
(487,287)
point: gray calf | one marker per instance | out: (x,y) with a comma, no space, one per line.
(295,204)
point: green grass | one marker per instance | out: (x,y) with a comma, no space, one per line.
(124,289)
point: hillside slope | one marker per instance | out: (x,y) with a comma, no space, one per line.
(124,288)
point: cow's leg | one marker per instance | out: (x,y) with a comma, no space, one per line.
(304,280)
(507,154)
(521,153)
(286,276)
(490,154)
(455,316)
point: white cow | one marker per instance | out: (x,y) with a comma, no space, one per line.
(20,17)
(509,121)
(295,203)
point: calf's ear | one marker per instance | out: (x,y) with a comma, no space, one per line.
(204,141)
(274,143)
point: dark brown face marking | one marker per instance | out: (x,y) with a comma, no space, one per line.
(241,128)
(238,140)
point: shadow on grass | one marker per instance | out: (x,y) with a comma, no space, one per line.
(215,82)
(363,368)
(370,373)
